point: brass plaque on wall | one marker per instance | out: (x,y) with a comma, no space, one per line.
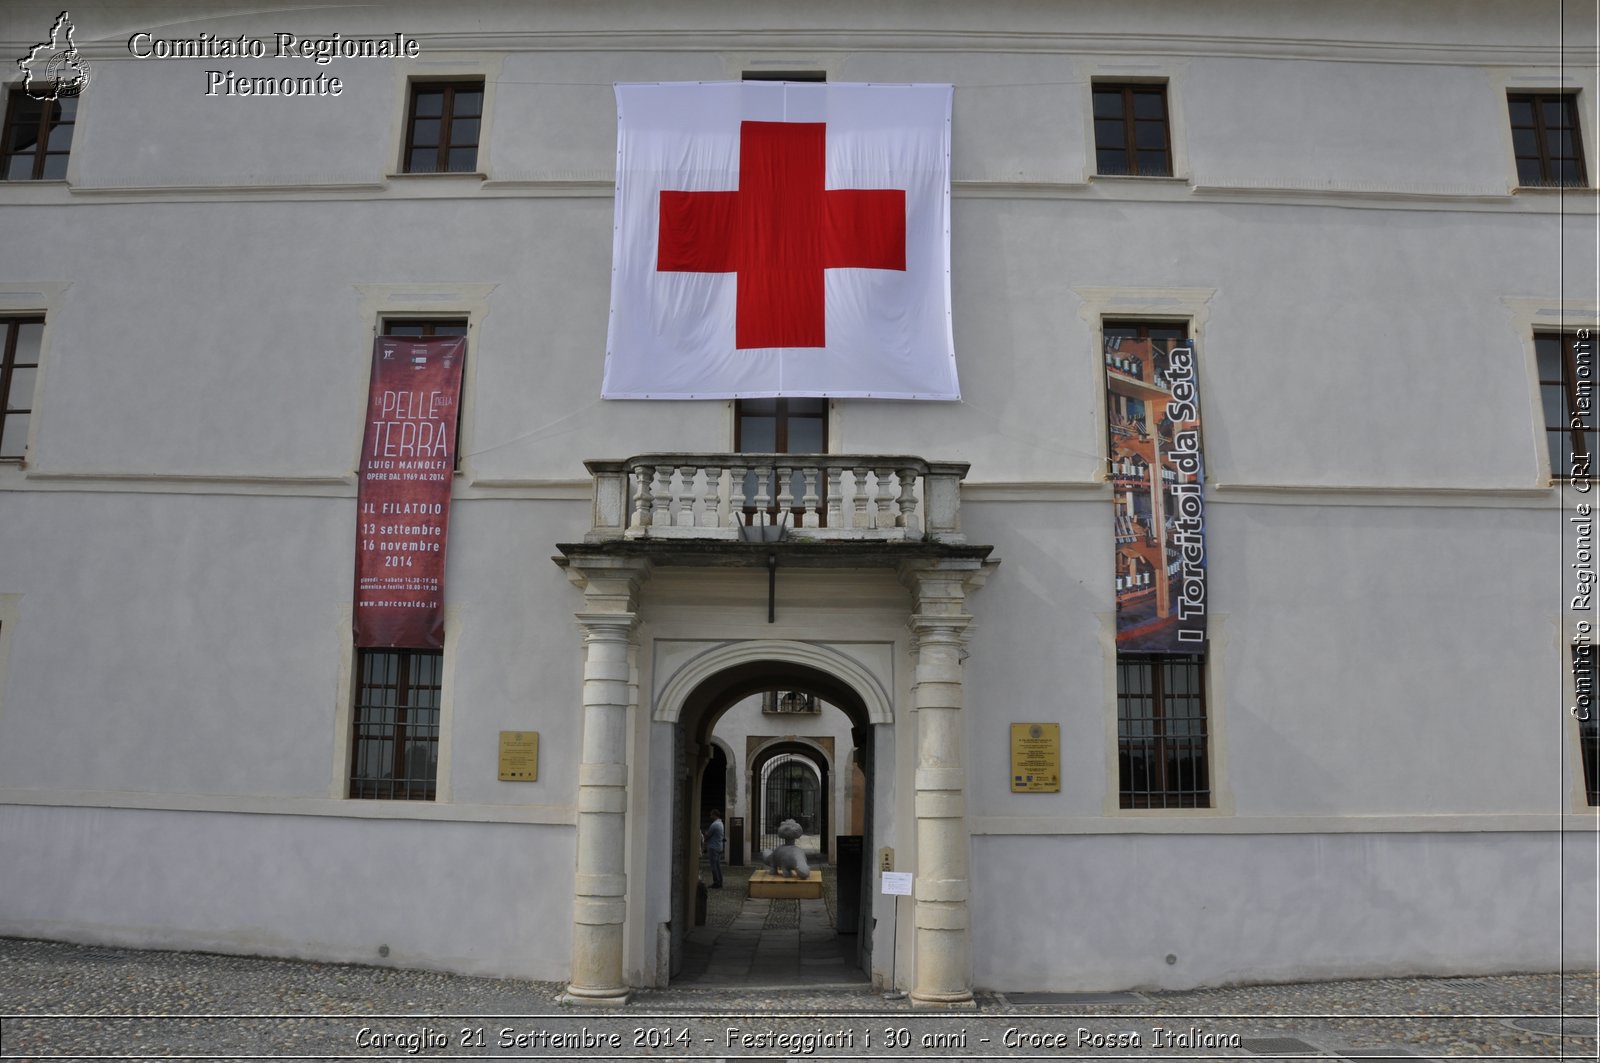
(1035,758)
(519,756)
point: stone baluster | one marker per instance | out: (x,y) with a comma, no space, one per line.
(785,493)
(835,496)
(661,496)
(643,503)
(808,478)
(860,498)
(683,500)
(908,519)
(763,478)
(885,516)
(711,498)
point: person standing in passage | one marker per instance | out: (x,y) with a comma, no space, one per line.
(713,836)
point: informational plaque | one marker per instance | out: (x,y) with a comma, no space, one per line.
(897,883)
(1035,758)
(408,457)
(519,756)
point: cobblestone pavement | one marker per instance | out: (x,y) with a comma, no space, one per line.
(61,1001)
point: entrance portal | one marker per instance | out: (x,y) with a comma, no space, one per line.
(789,767)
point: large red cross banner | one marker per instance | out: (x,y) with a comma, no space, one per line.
(781,239)
(408,456)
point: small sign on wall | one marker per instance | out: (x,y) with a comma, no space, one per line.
(1035,758)
(519,756)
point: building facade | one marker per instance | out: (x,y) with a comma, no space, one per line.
(1374,224)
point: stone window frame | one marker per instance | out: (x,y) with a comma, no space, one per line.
(1172,74)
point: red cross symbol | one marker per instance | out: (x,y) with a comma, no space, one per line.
(779,231)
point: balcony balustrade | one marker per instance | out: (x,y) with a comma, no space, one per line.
(853,497)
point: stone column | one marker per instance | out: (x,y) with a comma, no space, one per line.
(601,885)
(943,967)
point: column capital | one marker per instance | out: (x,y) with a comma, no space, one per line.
(614,627)
(609,584)
(945,582)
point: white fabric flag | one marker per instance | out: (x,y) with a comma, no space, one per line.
(776,238)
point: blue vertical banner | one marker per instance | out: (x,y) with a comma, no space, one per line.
(1158,476)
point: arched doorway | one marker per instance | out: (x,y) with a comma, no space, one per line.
(698,695)
(791,780)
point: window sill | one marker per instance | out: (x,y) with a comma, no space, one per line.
(1173,179)
(1541,190)
(464,175)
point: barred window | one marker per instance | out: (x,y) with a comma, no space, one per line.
(396,747)
(1161,731)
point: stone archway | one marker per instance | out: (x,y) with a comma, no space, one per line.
(705,688)
(761,813)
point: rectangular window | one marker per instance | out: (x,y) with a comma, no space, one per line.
(396,748)
(1566,392)
(1545,139)
(785,75)
(1583,691)
(19,366)
(1589,738)
(443,126)
(1131,135)
(38,137)
(781,426)
(1161,731)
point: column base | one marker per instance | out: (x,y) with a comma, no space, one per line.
(595,997)
(954,1001)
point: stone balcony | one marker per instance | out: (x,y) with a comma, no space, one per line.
(850,498)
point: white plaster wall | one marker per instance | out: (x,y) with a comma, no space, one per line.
(190,644)
(452,896)
(200,332)
(1283,908)
(1367,660)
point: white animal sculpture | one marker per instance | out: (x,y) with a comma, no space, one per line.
(789,858)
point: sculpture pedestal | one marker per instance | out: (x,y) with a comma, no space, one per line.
(766,884)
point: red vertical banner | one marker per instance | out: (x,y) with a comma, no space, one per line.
(408,459)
